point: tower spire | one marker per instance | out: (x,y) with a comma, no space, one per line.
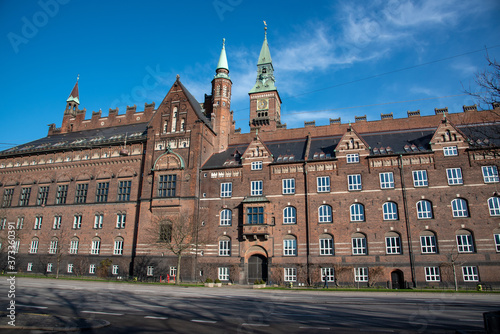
(222,69)
(74,95)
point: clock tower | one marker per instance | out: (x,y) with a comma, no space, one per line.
(265,102)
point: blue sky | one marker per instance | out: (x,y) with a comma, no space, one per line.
(331,58)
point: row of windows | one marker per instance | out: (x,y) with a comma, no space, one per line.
(393,244)
(81,194)
(77,222)
(454,176)
(115,269)
(459,209)
(95,246)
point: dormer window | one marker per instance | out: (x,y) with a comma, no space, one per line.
(264,70)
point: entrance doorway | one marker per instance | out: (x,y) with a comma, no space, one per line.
(257,268)
(397,279)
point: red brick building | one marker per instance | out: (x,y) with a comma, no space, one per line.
(396,202)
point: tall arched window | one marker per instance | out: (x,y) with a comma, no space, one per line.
(289,215)
(95,248)
(174,119)
(392,243)
(118,246)
(428,242)
(459,208)
(494,206)
(226,217)
(325,214)
(424,209)
(359,246)
(390,210)
(465,243)
(224,246)
(357,212)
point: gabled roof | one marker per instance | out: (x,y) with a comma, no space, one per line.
(195,105)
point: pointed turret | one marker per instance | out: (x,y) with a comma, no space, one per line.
(73,100)
(265,102)
(222,65)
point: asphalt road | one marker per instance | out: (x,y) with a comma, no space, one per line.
(140,308)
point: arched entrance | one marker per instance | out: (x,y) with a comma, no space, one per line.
(397,279)
(257,268)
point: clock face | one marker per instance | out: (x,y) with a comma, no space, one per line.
(262,104)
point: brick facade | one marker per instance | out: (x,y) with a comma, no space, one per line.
(393,202)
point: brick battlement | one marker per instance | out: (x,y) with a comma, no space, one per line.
(79,123)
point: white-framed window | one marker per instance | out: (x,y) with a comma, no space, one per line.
(386,180)
(392,244)
(290,246)
(289,215)
(256,188)
(490,174)
(459,208)
(326,245)
(497,242)
(98,220)
(361,274)
(390,210)
(290,275)
(223,274)
(454,176)
(225,247)
(92,269)
(256,165)
(288,186)
(49,267)
(70,268)
(432,274)
(121,219)
(172,271)
(57,223)
(38,223)
(95,247)
(323,184)
(17,243)
(465,243)
(20,223)
(73,246)
(352,158)
(34,246)
(420,178)
(150,270)
(494,206)
(359,245)
(328,273)
(77,222)
(354,182)
(226,189)
(470,274)
(450,151)
(428,243)
(29,267)
(118,247)
(424,209)
(115,269)
(226,217)
(357,212)
(53,246)
(325,214)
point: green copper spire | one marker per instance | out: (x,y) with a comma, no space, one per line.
(265,55)
(222,67)
(223,59)
(265,72)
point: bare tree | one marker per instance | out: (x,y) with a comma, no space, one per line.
(374,273)
(343,273)
(448,269)
(488,84)
(176,234)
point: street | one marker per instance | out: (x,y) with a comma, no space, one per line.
(142,308)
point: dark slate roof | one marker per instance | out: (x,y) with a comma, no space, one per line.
(229,158)
(381,143)
(83,139)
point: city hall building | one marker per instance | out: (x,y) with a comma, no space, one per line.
(390,202)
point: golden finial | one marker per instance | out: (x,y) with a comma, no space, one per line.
(223,42)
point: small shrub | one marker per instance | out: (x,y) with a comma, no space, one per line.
(209,280)
(217,281)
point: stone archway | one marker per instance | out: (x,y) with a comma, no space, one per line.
(257,268)
(397,279)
